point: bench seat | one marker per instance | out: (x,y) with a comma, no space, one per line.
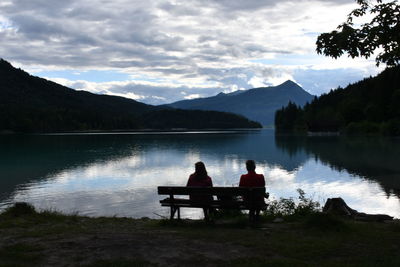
(223,198)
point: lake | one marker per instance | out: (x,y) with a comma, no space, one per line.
(117,174)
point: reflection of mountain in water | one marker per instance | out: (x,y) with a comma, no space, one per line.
(259,146)
(375,158)
(27,158)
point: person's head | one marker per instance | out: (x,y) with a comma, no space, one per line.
(200,169)
(250,165)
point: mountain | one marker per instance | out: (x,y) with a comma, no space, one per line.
(368,106)
(33,104)
(257,104)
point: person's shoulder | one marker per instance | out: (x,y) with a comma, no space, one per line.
(243,177)
(191,177)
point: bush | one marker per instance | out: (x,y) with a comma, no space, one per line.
(20,209)
(288,207)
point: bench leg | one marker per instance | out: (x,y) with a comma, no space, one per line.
(173,209)
(206,213)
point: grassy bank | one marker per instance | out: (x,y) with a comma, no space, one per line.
(30,238)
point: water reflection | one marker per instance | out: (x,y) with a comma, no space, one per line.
(372,158)
(118,174)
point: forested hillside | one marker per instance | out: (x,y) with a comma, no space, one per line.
(33,104)
(369,106)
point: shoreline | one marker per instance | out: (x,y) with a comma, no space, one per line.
(141,131)
(30,238)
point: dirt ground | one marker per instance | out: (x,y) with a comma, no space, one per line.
(157,248)
(112,241)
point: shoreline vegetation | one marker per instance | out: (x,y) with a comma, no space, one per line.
(367,107)
(287,235)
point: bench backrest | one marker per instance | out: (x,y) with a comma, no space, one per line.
(215,191)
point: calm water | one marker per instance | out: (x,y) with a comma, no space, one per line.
(118,174)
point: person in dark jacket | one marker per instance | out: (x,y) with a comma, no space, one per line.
(200,178)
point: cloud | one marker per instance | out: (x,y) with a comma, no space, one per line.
(155,93)
(312,80)
(196,47)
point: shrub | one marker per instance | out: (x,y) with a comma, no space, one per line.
(288,207)
(20,209)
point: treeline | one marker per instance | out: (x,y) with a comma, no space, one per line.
(33,104)
(195,119)
(61,120)
(370,106)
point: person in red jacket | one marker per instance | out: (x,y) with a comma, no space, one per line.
(200,178)
(252,179)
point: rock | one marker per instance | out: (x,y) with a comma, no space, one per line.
(278,220)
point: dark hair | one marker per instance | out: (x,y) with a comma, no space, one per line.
(250,165)
(200,170)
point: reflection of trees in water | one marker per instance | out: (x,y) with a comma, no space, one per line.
(34,157)
(375,158)
(27,158)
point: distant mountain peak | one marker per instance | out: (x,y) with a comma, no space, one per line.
(290,83)
(258,104)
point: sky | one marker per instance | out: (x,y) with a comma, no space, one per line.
(158,52)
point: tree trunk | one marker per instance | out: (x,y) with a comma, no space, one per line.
(337,206)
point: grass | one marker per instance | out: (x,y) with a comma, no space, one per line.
(318,239)
(30,238)
(120,263)
(20,254)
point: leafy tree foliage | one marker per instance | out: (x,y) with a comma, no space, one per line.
(368,106)
(382,32)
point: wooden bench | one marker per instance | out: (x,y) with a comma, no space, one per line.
(213,198)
